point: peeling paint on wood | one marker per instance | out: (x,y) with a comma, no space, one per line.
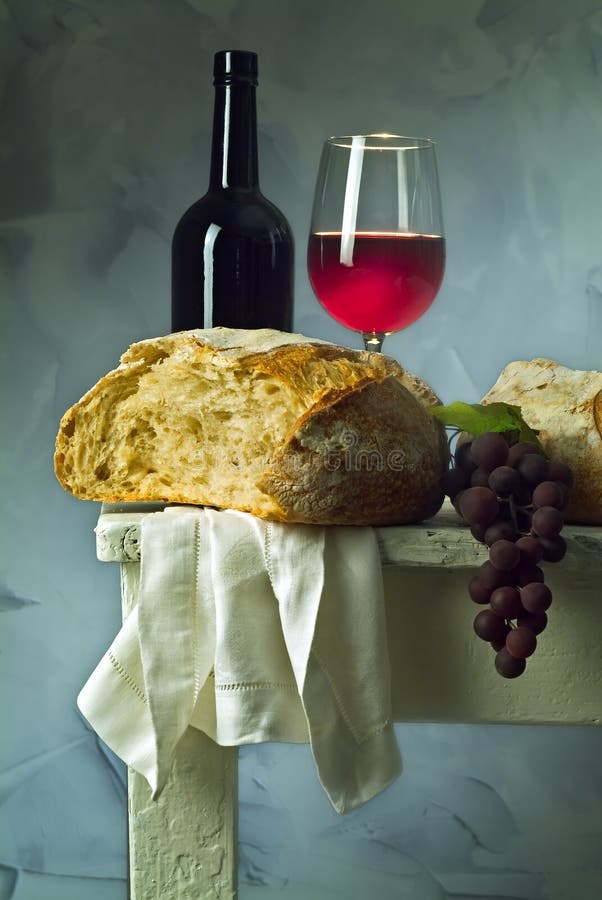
(183,845)
(442,542)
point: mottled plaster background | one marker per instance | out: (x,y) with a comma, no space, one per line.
(105,117)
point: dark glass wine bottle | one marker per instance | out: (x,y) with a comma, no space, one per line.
(232,251)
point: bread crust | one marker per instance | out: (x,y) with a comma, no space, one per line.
(332,465)
(565,406)
(312,432)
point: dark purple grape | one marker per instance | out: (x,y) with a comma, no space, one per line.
(507,665)
(547,522)
(517,451)
(504,555)
(554,549)
(463,459)
(526,572)
(533,468)
(521,642)
(456,502)
(550,493)
(505,601)
(494,578)
(479,478)
(478,591)
(478,506)
(454,481)
(558,471)
(535,621)
(489,450)
(489,627)
(536,597)
(504,481)
(500,530)
(478,533)
(530,549)
(497,645)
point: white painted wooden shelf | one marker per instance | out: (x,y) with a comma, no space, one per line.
(183,846)
(441,542)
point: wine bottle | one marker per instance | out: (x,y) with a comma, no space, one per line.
(232,250)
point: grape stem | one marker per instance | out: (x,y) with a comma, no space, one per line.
(453,433)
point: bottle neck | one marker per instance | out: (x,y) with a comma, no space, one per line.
(234,143)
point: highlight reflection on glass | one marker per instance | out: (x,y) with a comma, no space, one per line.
(376,252)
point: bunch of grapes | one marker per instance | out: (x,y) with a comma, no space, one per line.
(513,499)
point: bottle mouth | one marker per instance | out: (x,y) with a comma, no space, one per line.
(235,66)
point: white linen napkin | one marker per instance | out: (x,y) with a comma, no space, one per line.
(252,631)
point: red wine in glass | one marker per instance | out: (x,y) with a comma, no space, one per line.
(401,273)
(376,251)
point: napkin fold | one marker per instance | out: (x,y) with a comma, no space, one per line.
(252,631)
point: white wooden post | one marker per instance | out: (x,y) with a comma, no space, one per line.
(184,845)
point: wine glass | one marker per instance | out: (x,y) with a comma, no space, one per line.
(376,251)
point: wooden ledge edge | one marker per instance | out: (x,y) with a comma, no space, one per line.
(442,542)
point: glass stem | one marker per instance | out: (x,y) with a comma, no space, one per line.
(373,340)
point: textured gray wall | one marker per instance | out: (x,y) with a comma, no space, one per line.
(105,123)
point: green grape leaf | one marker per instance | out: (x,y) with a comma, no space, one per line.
(476,418)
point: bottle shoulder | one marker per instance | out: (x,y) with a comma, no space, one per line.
(241,210)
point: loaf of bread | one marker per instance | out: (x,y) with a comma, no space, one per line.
(565,406)
(279,425)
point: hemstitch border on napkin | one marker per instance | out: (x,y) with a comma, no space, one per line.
(256,686)
(125,675)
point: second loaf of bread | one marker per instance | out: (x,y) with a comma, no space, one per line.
(282,426)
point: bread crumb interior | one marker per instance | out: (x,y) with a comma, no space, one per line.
(180,430)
